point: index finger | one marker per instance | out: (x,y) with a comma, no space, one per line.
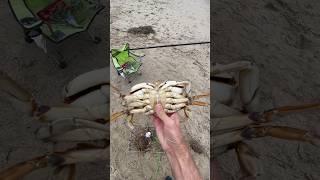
(161,114)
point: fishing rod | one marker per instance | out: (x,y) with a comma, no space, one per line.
(170,45)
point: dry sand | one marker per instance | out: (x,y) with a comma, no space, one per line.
(35,71)
(283,38)
(173,22)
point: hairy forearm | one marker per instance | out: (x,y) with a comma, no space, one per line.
(182,164)
(175,166)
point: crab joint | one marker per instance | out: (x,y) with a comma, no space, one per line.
(287,133)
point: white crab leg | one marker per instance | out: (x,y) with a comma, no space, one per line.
(62,126)
(96,97)
(248,86)
(139,103)
(145,109)
(85,81)
(80,156)
(175,106)
(174,95)
(142,86)
(224,93)
(149,112)
(132,98)
(237,66)
(166,84)
(231,122)
(141,92)
(174,101)
(178,90)
(174,83)
(84,134)
(170,111)
(54,113)
(227,138)
(220,110)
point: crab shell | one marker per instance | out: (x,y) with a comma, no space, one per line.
(172,95)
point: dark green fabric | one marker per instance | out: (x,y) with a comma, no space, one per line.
(22,13)
(82,12)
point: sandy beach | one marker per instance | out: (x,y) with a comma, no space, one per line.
(282,38)
(173,22)
(37,72)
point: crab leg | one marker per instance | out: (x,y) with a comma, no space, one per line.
(200,96)
(96,97)
(85,81)
(176,106)
(140,92)
(71,156)
(133,98)
(281,132)
(145,109)
(174,83)
(19,97)
(215,152)
(139,103)
(142,86)
(178,90)
(49,114)
(116,115)
(186,111)
(248,87)
(81,155)
(246,157)
(59,127)
(223,93)
(289,109)
(199,103)
(219,110)
(174,95)
(22,169)
(79,135)
(227,138)
(237,66)
(175,101)
(65,172)
(231,122)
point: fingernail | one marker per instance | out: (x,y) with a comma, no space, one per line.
(158,106)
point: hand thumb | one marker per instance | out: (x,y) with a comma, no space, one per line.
(160,112)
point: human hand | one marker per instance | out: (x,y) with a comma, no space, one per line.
(172,142)
(168,130)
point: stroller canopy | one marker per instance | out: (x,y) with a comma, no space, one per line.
(56,19)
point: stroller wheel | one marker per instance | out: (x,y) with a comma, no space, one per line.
(97,40)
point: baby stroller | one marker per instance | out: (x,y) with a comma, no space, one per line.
(55,20)
(125,62)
